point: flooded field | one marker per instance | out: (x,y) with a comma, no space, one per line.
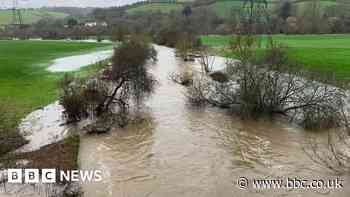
(43,127)
(186,151)
(73,63)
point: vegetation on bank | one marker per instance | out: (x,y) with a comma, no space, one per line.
(26,85)
(325,53)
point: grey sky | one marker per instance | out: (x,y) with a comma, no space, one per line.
(73,3)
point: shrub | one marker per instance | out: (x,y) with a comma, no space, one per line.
(72,99)
(219,76)
(184,78)
(275,54)
(314,119)
(196,93)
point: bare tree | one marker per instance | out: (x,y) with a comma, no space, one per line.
(206,60)
(285,9)
(127,81)
(130,78)
(184,47)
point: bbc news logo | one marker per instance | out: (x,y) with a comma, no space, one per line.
(52,176)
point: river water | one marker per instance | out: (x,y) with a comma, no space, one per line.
(185,151)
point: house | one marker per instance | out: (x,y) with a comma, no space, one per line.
(94,24)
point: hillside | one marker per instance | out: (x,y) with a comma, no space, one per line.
(29,15)
(222,7)
(162,7)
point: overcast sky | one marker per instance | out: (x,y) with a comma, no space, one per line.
(57,3)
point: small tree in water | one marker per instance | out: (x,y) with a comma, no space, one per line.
(129,76)
(127,81)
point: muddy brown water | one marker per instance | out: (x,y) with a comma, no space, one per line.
(185,151)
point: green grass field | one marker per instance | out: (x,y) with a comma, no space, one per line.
(325,53)
(24,81)
(26,85)
(29,16)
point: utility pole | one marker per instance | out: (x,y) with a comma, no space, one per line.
(17,19)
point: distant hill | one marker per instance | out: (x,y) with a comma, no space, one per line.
(157,5)
(29,15)
(72,11)
(221,7)
(162,7)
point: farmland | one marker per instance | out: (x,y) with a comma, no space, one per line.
(24,80)
(325,53)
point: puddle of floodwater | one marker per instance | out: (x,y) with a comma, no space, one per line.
(216,63)
(185,151)
(76,62)
(43,127)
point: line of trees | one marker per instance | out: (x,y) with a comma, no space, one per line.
(311,17)
(285,16)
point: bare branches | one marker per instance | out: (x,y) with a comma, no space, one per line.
(128,80)
(273,87)
(333,153)
(206,60)
(129,75)
(196,93)
(206,91)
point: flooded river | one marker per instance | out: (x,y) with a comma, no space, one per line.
(185,151)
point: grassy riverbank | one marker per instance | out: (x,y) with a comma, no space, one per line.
(324,53)
(25,84)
